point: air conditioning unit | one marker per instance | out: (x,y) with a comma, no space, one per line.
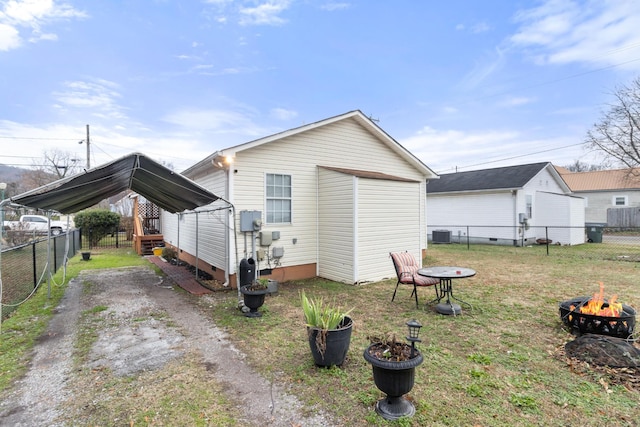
(441,236)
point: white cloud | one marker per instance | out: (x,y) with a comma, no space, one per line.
(599,32)
(283,114)
(9,37)
(480,27)
(331,6)
(516,101)
(214,121)
(32,15)
(485,67)
(449,150)
(97,95)
(264,14)
(107,143)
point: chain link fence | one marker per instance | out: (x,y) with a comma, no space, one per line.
(24,267)
(594,241)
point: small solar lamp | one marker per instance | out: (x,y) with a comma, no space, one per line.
(414,331)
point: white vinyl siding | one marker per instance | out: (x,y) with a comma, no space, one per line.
(204,232)
(336,226)
(490,211)
(389,219)
(557,212)
(340,144)
(493,215)
(360,221)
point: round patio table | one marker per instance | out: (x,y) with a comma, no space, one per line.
(446,276)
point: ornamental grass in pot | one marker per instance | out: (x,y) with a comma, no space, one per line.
(328,330)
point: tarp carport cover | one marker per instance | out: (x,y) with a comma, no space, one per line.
(159,184)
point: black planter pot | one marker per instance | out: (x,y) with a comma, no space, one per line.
(253,300)
(395,379)
(86,256)
(330,347)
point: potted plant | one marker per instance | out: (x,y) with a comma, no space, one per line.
(328,331)
(394,365)
(253,295)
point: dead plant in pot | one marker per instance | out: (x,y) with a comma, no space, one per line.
(253,296)
(328,329)
(393,365)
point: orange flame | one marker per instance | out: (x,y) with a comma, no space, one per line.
(599,307)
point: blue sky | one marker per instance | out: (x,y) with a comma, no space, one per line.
(460,84)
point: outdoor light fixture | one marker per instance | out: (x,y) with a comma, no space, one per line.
(222,162)
(414,331)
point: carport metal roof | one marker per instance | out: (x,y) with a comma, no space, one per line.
(162,186)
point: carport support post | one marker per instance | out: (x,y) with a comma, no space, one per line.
(197,215)
(178,240)
(1,236)
(48,254)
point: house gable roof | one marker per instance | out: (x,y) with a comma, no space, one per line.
(356,115)
(503,178)
(603,180)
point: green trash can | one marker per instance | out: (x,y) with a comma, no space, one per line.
(594,232)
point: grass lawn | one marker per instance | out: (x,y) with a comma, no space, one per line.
(500,364)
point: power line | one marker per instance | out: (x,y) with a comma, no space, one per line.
(519,156)
(40,138)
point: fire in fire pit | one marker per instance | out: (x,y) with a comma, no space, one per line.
(596,315)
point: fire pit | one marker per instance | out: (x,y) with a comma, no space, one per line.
(596,315)
(620,326)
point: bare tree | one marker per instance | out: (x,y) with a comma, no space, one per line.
(578,166)
(54,165)
(617,134)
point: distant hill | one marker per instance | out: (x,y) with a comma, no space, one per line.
(10,174)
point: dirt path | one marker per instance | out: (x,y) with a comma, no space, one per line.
(134,341)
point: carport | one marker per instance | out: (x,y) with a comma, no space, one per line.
(167,189)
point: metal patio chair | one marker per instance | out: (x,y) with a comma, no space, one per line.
(406,269)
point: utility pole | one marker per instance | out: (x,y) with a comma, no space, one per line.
(88,152)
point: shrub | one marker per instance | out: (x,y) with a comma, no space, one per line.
(96,223)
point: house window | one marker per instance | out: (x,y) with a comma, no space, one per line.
(278,193)
(620,200)
(529,198)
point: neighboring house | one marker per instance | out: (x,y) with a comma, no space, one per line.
(508,205)
(328,199)
(604,190)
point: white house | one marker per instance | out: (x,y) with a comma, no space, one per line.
(509,205)
(328,199)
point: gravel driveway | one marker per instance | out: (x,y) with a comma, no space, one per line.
(133,342)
